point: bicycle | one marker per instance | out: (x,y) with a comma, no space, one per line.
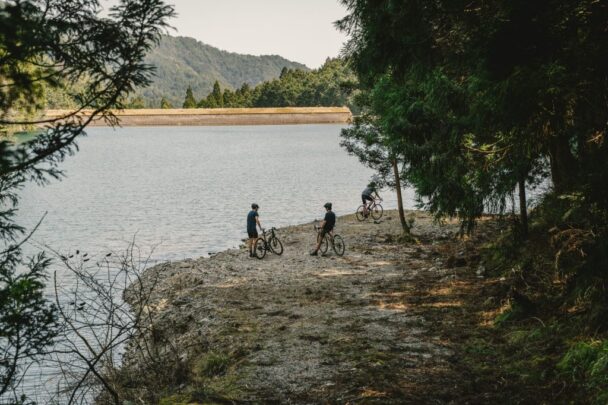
(375,210)
(337,243)
(264,244)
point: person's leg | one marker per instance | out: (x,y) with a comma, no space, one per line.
(319,240)
(364,205)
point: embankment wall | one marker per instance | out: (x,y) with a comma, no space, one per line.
(223,116)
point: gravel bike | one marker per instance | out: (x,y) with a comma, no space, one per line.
(336,241)
(268,241)
(374,209)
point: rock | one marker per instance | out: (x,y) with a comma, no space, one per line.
(481,271)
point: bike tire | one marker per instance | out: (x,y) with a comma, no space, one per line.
(259,248)
(276,246)
(324,244)
(339,245)
(359,214)
(377,212)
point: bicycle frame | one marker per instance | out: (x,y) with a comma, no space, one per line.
(371,204)
(266,236)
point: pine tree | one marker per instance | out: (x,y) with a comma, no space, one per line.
(189,101)
(165,104)
(217,95)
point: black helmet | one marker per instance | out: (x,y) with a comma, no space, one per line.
(254,206)
(328,205)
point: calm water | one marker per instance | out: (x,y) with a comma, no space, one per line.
(188,189)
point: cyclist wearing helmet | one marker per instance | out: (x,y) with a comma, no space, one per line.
(367,196)
(253,220)
(326,226)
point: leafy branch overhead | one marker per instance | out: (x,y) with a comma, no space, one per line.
(63,45)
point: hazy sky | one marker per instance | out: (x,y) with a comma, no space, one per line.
(299,30)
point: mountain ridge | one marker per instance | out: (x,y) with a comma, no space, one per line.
(184,61)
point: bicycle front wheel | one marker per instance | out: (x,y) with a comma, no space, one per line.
(259,249)
(338,245)
(377,212)
(360,213)
(276,246)
(324,244)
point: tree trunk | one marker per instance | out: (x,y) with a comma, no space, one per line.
(523,208)
(404,225)
(563,164)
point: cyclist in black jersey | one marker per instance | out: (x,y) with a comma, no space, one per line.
(326,226)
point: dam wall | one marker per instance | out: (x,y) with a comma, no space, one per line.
(222,116)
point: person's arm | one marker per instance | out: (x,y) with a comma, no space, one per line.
(377,195)
(257,220)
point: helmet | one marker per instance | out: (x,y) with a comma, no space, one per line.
(328,205)
(254,206)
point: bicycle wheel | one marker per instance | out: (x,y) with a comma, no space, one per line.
(324,244)
(259,249)
(338,245)
(359,214)
(377,212)
(276,246)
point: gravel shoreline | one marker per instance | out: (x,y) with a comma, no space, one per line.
(302,329)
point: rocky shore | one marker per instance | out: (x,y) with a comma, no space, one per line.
(378,324)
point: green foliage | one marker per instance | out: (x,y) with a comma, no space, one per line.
(329,86)
(63,48)
(136,102)
(28,322)
(212,364)
(165,104)
(479,98)
(189,101)
(586,363)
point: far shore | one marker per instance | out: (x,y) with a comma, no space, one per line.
(221,116)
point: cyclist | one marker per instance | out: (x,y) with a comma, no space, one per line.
(326,226)
(253,221)
(367,196)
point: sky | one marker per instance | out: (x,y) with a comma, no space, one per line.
(299,30)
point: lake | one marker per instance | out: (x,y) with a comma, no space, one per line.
(186,190)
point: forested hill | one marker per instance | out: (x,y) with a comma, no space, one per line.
(183,62)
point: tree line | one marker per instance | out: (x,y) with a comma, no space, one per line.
(330,85)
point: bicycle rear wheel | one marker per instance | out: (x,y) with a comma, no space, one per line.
(338,245)
(324,244)
(276,246)
(377,212)
(359,214)
(259,249)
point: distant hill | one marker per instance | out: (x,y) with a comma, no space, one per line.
(183,62)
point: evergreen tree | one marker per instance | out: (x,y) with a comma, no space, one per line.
(230,99)
(216,96)
(365,140)
(66,46)
(189,101)
(136,102)
(165,104)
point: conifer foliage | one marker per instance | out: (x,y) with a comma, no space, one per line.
(96,61)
